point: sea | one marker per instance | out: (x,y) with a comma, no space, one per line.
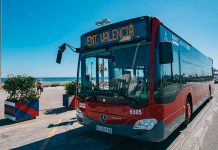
(52,79)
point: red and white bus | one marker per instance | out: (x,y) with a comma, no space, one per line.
(138,78)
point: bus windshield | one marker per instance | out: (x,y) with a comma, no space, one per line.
(122,70)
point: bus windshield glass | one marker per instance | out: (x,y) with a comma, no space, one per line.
(122,69)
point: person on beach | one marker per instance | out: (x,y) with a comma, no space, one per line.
(39,87)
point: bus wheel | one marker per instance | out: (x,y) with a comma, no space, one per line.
(187,112)
(209,95)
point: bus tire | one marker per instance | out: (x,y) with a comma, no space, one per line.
(209,95)
(188,111)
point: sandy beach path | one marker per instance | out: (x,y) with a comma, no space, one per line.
(51,98)
(35,134)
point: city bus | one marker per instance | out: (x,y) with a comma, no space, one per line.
(137,78)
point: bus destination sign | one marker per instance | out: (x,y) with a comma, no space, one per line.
(116,33)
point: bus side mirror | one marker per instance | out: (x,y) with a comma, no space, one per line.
(59,56)
(62,48)
(166,52)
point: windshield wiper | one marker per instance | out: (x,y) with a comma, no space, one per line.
(135,103)
(85,95)
(123,95)
(90,98)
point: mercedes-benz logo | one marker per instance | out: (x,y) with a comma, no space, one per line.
(103,118)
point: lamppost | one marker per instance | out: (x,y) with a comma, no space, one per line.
(103,22)
(102,69)
(0,41)
(91,69)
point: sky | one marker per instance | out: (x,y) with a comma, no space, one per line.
(32,30)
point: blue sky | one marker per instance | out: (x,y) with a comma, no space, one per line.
(32,30)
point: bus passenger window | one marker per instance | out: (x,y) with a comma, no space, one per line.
(167,75)
(170,79)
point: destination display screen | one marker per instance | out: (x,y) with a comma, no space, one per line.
(129,30)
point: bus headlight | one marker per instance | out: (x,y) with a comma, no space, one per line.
(145,124)
(79,113)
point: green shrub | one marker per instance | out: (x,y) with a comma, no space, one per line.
(70,88)
(20,88)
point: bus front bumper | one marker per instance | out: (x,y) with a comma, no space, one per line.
(154,135)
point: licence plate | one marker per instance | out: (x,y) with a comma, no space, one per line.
(104,129)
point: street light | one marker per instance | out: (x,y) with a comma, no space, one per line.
(91,69)
(103,22)
(0,41)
